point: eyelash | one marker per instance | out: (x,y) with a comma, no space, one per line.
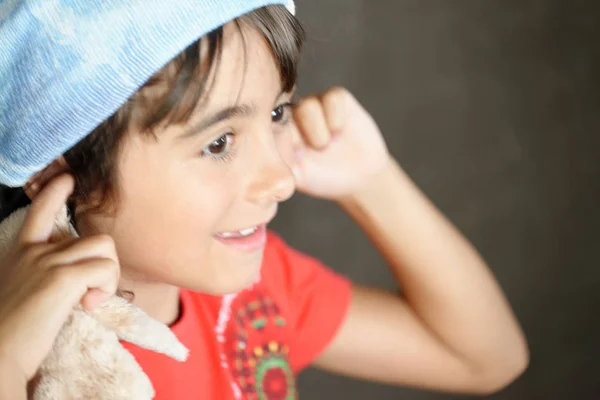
(229,154)
(289,106)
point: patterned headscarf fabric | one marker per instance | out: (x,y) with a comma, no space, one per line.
(67,65)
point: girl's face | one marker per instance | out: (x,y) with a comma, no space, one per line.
(186,197)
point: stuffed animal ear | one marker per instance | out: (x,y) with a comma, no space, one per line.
(132,325)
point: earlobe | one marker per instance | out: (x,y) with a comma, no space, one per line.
(37,182)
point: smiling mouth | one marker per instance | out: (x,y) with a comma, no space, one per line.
(238,234)
(247,240)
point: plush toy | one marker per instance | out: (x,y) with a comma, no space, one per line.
(87,360)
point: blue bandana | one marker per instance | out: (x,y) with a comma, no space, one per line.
(67,65)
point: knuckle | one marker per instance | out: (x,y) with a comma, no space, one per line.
(101,239)
(112,273)
(35,255)
(338,90)
(107,240)
(336,93)
(48,260)
(113,267)
(103,242)
(47,281)
(62,276)
(108,266)
(309,105)
(49,256)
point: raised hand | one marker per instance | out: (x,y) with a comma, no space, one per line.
(42,280)
(339,147)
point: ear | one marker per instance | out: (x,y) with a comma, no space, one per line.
(37,182)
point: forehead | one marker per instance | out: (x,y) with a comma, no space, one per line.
(246,72)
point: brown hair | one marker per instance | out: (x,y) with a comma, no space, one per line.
(181,85)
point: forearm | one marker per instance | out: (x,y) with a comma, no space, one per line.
(443,278)
(12,383)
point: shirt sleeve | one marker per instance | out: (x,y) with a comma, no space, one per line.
(318,300)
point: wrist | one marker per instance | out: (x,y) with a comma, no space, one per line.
(376,188)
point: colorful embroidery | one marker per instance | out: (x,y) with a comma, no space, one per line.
(255,348)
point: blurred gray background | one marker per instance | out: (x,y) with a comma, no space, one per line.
(493,107)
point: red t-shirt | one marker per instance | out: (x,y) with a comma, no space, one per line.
(252,344)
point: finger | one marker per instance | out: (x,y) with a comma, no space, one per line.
(311,123)
(64,288)
(334,103)
(40,179)
(93,298)
(41,216)
(32,187)
(77,279)
(73,251)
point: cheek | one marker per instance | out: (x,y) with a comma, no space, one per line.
(177,205)
(168,213)
(164,187)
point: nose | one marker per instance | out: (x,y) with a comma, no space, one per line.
(273,180)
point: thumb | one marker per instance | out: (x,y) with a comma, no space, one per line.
(93,298)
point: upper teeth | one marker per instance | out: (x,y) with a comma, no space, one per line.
(248,231)
(243,232)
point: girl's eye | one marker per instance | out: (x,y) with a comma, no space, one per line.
(282,114)
(219,148)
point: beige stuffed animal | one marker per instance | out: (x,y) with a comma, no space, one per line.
(87,361)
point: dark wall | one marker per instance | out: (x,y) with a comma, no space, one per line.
(492,106)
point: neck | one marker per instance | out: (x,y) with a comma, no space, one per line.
(158,300)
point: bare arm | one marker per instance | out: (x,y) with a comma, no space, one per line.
(453,329)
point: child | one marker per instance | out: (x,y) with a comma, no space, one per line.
(173,169)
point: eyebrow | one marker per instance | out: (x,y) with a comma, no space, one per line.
(240,110)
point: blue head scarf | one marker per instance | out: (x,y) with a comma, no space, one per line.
(67,65)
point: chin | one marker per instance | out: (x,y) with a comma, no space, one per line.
(232,281)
